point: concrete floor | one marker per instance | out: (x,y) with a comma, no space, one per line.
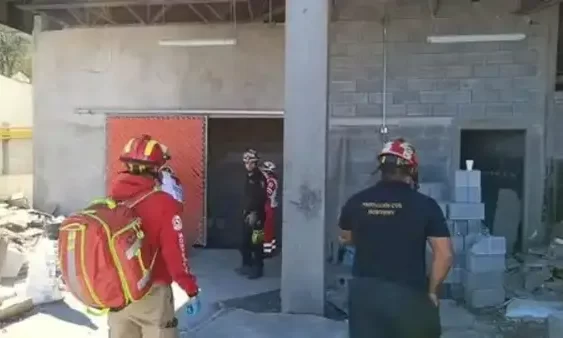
(219,284)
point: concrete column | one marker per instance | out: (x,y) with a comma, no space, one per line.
(305,156)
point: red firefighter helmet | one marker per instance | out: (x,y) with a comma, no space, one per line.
(400,153)
(143,150)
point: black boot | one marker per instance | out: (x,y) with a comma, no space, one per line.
(244,270)
(256,272)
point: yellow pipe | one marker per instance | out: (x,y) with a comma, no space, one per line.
(15,133)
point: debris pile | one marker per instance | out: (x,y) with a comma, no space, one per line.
(20,229)
(537,273)
(24,234)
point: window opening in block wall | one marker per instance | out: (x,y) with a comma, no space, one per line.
(499,155)
(556,194)
(559,76)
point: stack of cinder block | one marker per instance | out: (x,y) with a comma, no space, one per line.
(466,214)
(480,259)
(483,278)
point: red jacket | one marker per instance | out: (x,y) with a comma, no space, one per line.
(160,215)
(271,191)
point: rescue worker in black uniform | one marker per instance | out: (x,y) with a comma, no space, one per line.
(390,294)
(254,201)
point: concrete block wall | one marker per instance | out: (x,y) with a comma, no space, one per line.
(474,80)
(434,90)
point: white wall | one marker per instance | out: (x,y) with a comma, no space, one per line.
(16,106)
(124,67)
(16,110)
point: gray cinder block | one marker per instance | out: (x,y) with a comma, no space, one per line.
(474,226)
(555,325)
(484,263)
(467,194)
(483,280)
(444,207)
(454,276)
(464,178)
(436,190)
(471,239)
(486,245)
(458,243)
(485,297)
(466,211)
(459,227)
(459,260)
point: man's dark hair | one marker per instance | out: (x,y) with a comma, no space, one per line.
(393,172)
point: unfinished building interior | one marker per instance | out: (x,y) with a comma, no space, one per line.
(386,65)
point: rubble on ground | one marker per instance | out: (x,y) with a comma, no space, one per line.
(21,228)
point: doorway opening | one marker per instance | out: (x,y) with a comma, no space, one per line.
(227,139)
(500,156)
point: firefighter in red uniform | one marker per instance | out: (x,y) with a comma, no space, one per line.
(268,168)
(153,316)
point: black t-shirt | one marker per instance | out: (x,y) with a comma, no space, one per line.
(390,223)
(255,192)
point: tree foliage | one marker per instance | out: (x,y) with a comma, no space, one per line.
(14,49)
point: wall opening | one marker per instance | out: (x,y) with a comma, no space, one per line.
(559,75)
(500,155)
(227,139)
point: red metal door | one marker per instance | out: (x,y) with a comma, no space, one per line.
(185,136)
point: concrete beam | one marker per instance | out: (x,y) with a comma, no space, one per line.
(14,17)
(118,3)
(305,156)
(532,6)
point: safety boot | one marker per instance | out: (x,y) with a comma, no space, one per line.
(256,272)
(243,270)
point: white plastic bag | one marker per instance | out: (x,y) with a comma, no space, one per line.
(42,284)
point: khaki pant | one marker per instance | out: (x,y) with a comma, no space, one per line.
(151,317)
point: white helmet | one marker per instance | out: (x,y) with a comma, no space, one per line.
(268,166)
(250,155)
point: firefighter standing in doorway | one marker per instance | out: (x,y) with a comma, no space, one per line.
(154,315)
(269,168)
(389,224)
(253,214)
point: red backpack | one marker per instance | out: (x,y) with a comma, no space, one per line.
(104,261)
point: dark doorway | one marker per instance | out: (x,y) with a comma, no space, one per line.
(499,154)
(227,140)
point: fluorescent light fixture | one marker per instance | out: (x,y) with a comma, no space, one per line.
(198,43)
(475,38)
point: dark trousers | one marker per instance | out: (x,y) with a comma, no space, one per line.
(379,309)
(252,254)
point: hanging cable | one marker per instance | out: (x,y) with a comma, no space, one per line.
(235,15)
(384,131)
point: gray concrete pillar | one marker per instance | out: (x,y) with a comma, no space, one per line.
(305,156)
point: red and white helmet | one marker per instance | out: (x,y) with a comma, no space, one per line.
(268,166)
(249,156)
(399,152)
(143,150)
